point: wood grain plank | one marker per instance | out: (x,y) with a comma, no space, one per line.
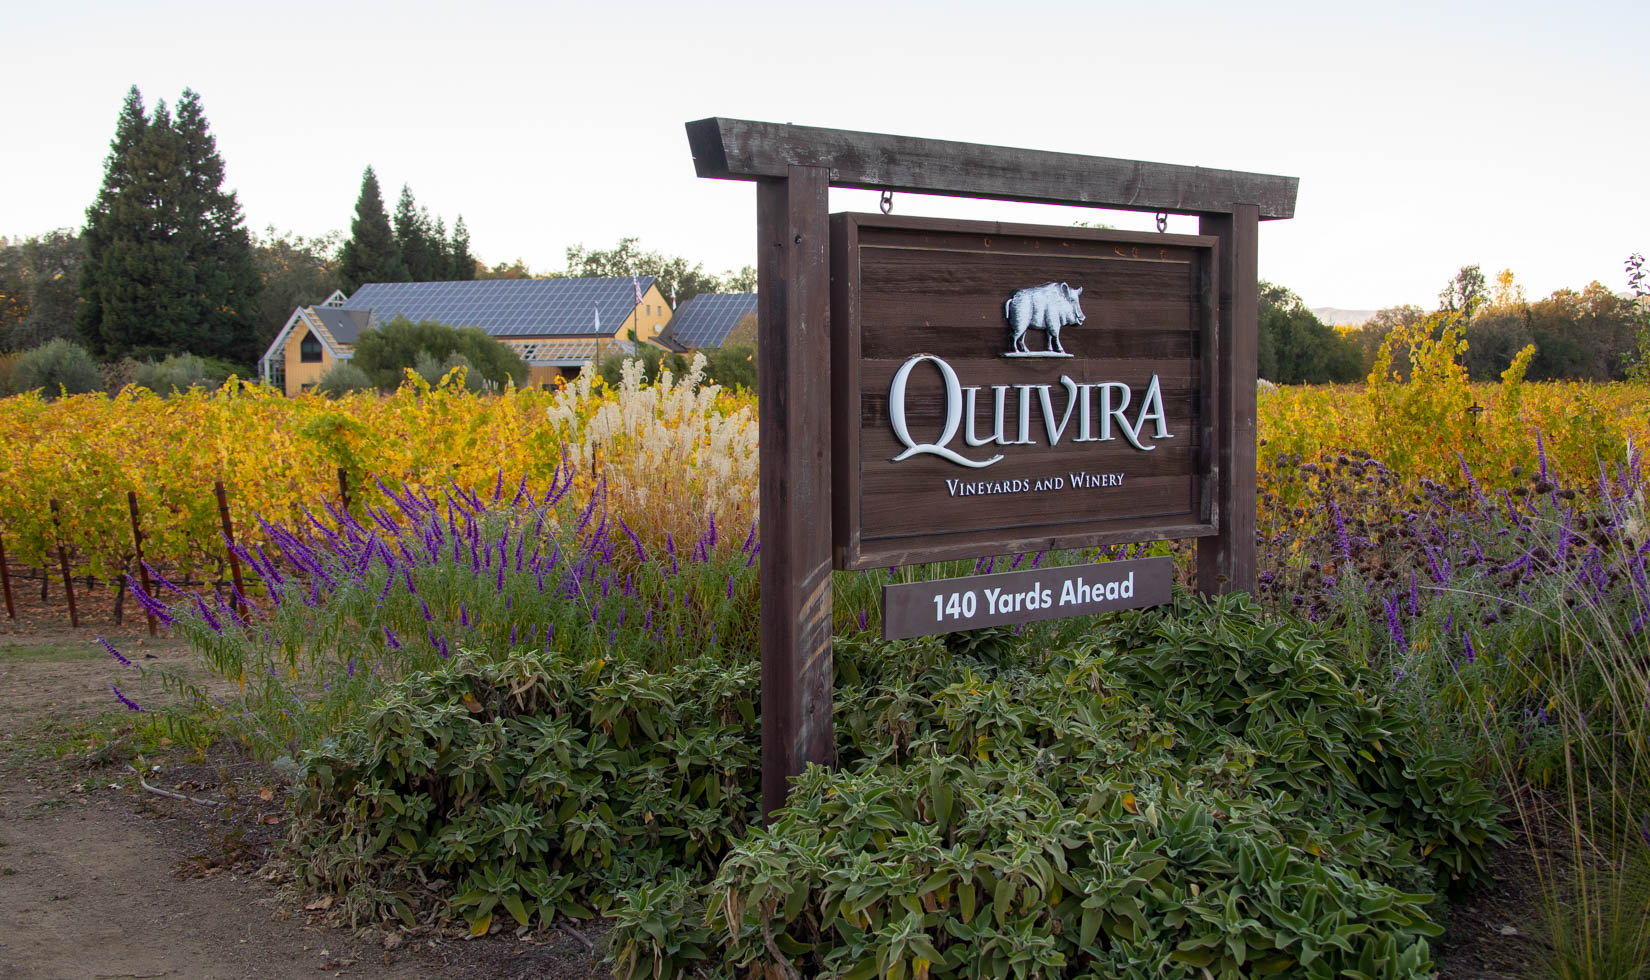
(1226,561)
(793,382)
(742,149)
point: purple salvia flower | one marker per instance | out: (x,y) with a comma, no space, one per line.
(712,541)
(1414,597)
(862,620)
(393,641)
(750,539)
(428,617)
(521,490)
(1017,560)
(1472,654)
(549,634)
(113,652)
(1035,562)
(635,542)
(389,583)
(206,614)
(156,577)
(1394,628)
(1343,545)
(128,702)
(1471,482)
(647,623)
(730,586)
(1541,455)
(463,615)
(275,575)
(512,634)
(498,488)
(754,550)
(149,603)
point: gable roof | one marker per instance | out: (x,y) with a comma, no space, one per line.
(506,307)
(706,319)
(343,325)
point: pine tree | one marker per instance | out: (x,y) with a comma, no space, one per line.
(460,263)
(168,260)
(100,316)
(370,254)
(413,239)
(221,311)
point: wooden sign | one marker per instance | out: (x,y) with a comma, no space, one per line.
(1026,596)
(800,378)
(1018,388)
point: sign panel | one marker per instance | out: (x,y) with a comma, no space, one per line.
(1013,388)
(953,604)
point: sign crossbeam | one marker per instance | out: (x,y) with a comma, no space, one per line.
(741,149)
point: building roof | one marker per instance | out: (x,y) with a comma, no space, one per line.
(506,307)
(343,325)
(706,319)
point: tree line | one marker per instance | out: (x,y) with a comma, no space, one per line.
(1591,335)
(165,266)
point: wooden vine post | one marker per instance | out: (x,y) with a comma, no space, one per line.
(137,545)
(63,562)
(229,547)
(343,487)
(799,388)
(5,580)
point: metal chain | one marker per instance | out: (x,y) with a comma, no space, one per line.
(1162,221)
(887,204)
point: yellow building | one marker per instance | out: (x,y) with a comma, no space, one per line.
(556,325)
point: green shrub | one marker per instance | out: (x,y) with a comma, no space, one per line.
(539,784)
(385,352)
(432,371)
(1187,789)
(732,366)
(341,379)
(180,372)
(56,367)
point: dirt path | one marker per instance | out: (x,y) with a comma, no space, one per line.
(100,878)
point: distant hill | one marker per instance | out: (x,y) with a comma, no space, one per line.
(1336,317)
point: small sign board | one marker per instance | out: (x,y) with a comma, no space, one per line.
(1054,592)
(1017,388)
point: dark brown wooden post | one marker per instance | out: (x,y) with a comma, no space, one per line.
(5,580)
(137,543)
(1226,561)
(229,542)
(792,390)
(63,562)
(343,487)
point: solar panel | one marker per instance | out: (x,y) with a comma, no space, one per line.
(506,307)
(706,319)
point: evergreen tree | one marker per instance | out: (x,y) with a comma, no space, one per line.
(461,264)
(221,311)
(168,266)
(412,237)
(371,253)
(111,224)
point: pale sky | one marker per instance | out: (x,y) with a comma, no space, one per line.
(1426,136)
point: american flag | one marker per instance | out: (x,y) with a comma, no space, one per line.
(638,289)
